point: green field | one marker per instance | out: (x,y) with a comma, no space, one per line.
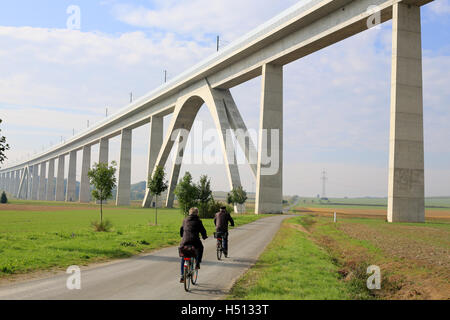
(313,258)
(431,203)
(292,268)
(39,240)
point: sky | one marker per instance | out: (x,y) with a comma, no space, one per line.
(54,79)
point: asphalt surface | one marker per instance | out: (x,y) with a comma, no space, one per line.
(156,276)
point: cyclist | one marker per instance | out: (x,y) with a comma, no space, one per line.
(221,222)
(189,231)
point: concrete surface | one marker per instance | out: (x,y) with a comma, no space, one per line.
(406,196)
(124,173)
(269,177)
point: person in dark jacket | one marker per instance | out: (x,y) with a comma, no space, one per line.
(190,230)
(221,221)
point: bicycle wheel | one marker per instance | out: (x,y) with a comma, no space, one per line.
(194,272)
(187,275)
(219,249)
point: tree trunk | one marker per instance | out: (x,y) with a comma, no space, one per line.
(156,208)
(101,211)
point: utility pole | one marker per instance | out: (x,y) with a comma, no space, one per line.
(165,76)
(324,180)
(218,41)
(131,97)
(107,112)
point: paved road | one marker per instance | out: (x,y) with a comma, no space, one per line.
(156,276)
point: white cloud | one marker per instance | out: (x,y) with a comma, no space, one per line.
(197,18)
(440,7)
(336,100)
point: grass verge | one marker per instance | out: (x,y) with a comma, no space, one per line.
(291,268)
(43,240)
(414,260)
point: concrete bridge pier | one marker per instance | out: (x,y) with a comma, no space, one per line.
(7,175)
(176,167)
(42,182)
(51,181)
(155,143)
(71,179)
(29,183)
(406,201)
(59,193)
(124,180)
(23,184)
(103,151)
(16,183)
(11,182)
(16,186)
(85,186)
(269,177)
(35,183)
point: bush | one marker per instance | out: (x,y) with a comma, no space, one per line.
(104,226)
(4,198)
(212,207)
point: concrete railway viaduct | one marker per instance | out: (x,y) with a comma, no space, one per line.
(305,28)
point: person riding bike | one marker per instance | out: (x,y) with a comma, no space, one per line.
(189,231)
(221,222)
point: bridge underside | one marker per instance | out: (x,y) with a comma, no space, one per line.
(316,26)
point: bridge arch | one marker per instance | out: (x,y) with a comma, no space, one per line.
(221,107)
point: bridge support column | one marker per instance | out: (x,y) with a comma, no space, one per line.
(50,196)
(15,175)
(16,186)
(12,182)
(71,179)
(42,182)
(59,192)
(406,158)
(269,178)
(7,182)
(103,151)
(12,176)
(21,190)
(2,181)
(176,167)
(155,143)
(29,183)
(124,181)
(85,186)
(35,183)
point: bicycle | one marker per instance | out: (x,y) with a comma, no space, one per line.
(190,273)
(219,237)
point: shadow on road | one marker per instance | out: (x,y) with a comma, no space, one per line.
(228,263)
(206,289)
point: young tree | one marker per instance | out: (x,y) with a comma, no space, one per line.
(156,186)
(103,178)
(204,194)
(187,193)
(3,146)
(237,197)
